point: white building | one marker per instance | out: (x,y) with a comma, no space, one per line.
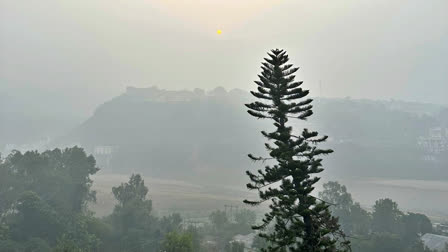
(436,142)
(435,242)
(247,240)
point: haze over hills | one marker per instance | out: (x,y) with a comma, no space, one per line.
(93,52)
(27,124)
(170,134)
(125,125)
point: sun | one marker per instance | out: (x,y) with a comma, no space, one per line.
(208,16)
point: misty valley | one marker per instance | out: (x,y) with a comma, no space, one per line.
(181,156)
(223,126)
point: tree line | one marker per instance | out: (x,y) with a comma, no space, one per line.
(43,207)
(44,201)
(386,228)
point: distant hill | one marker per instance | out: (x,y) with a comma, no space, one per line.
(205,136)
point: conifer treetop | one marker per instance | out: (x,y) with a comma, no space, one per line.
(300,221)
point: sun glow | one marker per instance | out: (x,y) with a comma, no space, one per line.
(227,14)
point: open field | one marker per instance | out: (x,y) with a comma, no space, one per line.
(196,201)
(170,196)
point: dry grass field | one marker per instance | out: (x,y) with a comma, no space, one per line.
(169,196)
(198,201)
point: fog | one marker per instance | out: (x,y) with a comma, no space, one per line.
(155,90)
(93,49)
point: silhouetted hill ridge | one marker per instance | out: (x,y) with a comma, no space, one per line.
(190,134)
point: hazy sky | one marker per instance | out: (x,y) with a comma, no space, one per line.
(79,53)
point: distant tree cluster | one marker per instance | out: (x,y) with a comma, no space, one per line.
(385,229)
(225,228)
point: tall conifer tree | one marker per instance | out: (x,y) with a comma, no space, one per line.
(300,221)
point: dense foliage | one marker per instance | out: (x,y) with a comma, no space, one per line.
(44,198)
(43,207)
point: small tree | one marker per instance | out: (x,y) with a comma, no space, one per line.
(134,225)
(386,216)
(245,217)
(219,219)
(133,209)
(178,242)
(414,226)
(353,219)
(302,223)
